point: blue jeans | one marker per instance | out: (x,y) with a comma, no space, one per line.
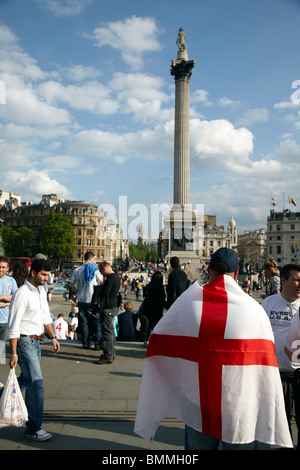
(95,328)
(31,381)
(195,440)
(3,334)
(83,323)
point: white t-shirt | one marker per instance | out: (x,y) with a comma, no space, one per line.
(281,314)
(60,327)
(293,339)
(85,289)
(74,323)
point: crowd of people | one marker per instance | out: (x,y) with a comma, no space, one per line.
(101,313)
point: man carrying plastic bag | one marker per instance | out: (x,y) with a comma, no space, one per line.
(29,317)
(13,411)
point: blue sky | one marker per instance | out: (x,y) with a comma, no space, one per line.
(89,102)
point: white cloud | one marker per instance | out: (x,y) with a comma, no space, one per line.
(92,96)
(64,7)
(80,73)
(20,72)
(15,154)
(25,106)
(14,60)
(225,101)
(61,162)
(254,115)
(141,95)
(33,184)
(132,36)
(289,151)
(152,144)
(217,143)
(201,96)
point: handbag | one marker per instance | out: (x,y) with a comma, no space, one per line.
(97,302)
(13,411)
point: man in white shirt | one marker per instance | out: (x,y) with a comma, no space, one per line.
(28,319)
(60,327)
(281,309)
(82,283)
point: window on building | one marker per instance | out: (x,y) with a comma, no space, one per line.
(292,226)
(278,249)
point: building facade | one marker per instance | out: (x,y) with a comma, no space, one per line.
(92,231)
(252,249)
(283,236)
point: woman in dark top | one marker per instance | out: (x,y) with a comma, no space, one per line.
(154,299)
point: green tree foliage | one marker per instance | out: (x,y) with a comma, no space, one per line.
(142,253)
(58,238)
(21,242)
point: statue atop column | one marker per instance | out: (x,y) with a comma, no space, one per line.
(180,41)
(182,66)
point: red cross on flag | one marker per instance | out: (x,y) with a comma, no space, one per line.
(211,363)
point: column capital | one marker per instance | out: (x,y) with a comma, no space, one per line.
(182,68)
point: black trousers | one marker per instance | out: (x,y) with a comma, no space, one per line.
(291,390)
(108,333)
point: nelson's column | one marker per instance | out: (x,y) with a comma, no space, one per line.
(182,228)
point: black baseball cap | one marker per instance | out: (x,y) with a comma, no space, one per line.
(224,260)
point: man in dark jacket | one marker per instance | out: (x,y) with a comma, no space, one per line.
(177,281)
(109,295)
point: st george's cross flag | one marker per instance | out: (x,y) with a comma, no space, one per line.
(211,363)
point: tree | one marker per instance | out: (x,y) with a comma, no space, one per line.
(58,238)
(142,253)
(21,242)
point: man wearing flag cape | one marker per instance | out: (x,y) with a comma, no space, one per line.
(211,363)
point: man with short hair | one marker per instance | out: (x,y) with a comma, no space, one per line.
(29,317)
(8,287)
(281,309)
(109,298)
(82,283)
(177,281)
(214,367)
(61,327)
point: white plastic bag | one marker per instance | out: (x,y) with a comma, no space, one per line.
(13,411)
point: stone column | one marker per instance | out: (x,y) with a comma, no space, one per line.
(182,70)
